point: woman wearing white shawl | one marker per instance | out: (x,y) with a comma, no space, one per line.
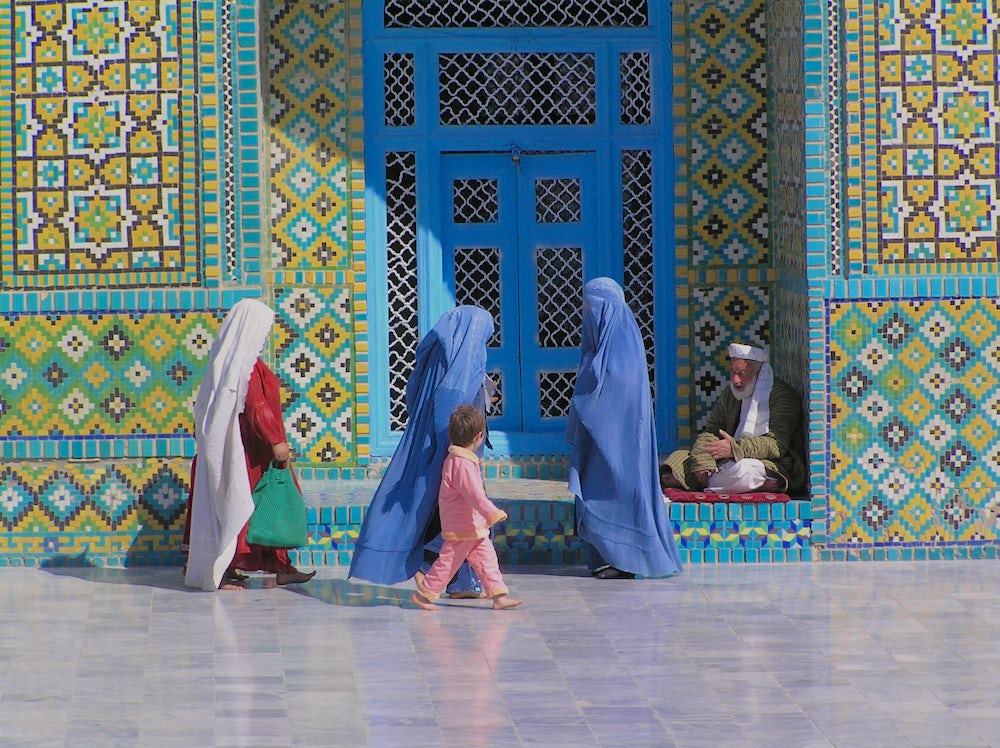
(238,431)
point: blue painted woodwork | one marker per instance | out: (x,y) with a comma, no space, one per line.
(591,151)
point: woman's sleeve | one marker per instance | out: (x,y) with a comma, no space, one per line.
(260,415)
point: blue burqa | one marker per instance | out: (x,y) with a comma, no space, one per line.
(614,472)
(402,517)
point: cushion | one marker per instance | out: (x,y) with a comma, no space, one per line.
(707,497)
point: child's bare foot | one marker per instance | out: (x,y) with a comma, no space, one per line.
(502,602)
(419,578)
(228,585)
(423,603)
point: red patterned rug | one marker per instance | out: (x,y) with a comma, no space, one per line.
(703,497)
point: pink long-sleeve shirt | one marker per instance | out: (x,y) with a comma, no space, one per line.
(466,512)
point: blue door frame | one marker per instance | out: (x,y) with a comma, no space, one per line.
(438,150)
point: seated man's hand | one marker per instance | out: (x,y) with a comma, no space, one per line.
(721,449)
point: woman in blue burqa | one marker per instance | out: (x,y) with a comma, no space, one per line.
(402,519)
(614,470)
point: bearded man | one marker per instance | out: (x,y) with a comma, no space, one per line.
(753,438)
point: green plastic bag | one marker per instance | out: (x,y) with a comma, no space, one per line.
(279,515)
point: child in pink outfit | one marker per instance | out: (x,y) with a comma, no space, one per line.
(466,517)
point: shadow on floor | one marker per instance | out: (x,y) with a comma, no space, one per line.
(166,578)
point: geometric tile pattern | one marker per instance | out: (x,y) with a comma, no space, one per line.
(786,133)
(933,105)
(129,512)
(727,133)
(540,527)
(720,316)
(313,349)
(914,421)
(106,164)
(308,108)
(97,376)
(790,337)
(742,533)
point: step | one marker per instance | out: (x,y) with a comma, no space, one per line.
(540,526)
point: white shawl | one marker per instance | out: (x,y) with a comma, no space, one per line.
(755,411)
(222,500)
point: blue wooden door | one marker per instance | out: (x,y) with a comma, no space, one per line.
(520,236)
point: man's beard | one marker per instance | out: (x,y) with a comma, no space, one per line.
(744,392)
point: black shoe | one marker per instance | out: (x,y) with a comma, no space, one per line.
(611,572)
(298,577)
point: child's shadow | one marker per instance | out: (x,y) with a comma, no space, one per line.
(354,595)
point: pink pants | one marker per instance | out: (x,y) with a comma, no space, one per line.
(482,557)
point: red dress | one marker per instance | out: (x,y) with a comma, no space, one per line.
(261,427)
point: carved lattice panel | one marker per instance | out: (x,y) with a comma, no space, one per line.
(555,391)
(633,78)
(401,262)
(465,14)
(542,88)
(557,201)
(398,91)
(475,201)
(477,282)
(560,292)
(637,245)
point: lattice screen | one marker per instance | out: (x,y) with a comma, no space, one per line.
(555,391)
(477,282)
(559,274)
(637,246)
(541,88)
(401,260)
(399,93)
(516,13)
(633,79)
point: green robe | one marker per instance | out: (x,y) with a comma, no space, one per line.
(780,449)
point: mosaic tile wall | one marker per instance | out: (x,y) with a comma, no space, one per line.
(725,267)
(901,148)
(929,138)
(727,133)
(914,421)
(316,191)
(131,220)
(101,105)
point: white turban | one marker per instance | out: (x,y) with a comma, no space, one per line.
(748,352)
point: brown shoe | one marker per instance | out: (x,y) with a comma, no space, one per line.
(298,577)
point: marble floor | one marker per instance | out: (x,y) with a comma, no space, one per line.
(864,654)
